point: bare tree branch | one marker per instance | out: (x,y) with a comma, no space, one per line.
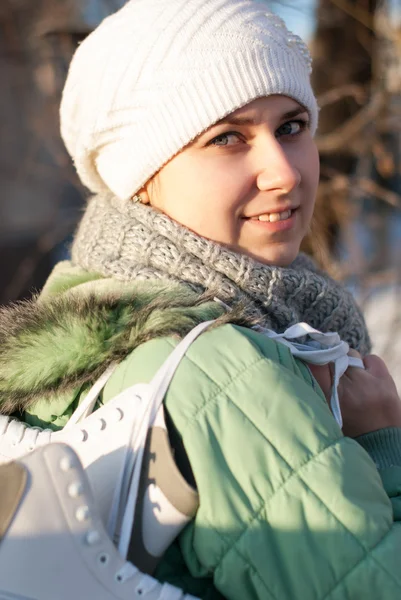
(343,138)
(375,190)
(357,12)
(358,92)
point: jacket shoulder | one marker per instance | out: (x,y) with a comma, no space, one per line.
(213,362)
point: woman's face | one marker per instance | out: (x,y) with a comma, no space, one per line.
(249,182)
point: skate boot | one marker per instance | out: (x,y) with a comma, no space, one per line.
(53,543)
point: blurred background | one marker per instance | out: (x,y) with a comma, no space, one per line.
(356,46)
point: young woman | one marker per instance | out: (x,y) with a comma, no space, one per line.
(192,122)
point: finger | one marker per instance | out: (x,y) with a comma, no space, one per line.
(349,373)
(376,366)
(323,376)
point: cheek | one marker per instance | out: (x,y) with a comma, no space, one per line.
(188,195)
(212,188)
(310,170)
(312,165)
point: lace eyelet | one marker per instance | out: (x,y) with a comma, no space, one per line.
(139,591)
(66,464)
(75,489)
(118,578)
(101,424)
(118,415)
(84,435)
(82,514)
(92,537)
(103,559)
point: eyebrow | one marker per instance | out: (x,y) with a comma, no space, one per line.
(233,120)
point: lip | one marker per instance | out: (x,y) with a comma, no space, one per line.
(279,209)
(277,226)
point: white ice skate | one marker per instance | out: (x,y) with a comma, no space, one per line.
(53,543)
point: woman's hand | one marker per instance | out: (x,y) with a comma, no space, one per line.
(368,398)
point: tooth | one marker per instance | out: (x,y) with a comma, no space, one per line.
(274,217)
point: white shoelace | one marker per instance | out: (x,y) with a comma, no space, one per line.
(149,584)
(129,571)
(318,349)
(88,404)
(151,403)
(17,431)
(149,398)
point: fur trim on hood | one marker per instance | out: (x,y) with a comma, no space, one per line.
(59,344)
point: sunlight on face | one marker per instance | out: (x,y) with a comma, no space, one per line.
(249,182)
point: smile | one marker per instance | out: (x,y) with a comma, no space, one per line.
(275,222)
(273,217)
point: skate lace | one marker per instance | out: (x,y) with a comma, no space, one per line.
(145,583)
(122,514)
(88,404)
(318,348)
(148,584)
(148,399)
(18,432)
(127,490)
(128,571)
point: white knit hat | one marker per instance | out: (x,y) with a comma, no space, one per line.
(157,73)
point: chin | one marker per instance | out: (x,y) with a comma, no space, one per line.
(281,257)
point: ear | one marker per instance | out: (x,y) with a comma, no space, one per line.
(143,193)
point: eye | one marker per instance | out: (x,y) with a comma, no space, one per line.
(225,139)
(292,128)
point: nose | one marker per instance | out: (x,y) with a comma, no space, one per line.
(276,170)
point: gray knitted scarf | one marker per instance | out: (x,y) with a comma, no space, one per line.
(129,241)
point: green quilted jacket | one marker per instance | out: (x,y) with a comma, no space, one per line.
(290,509)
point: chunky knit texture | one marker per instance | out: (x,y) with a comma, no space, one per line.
(129,242)
(159,72)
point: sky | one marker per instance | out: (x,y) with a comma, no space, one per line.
(299,16)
